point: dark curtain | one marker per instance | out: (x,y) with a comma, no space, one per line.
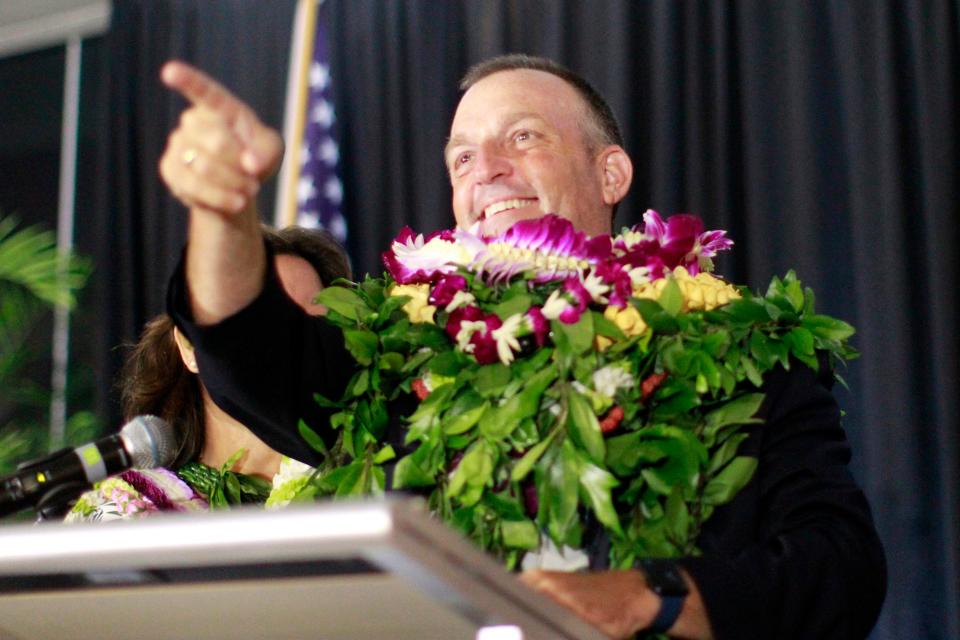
(135,231)
(823,135)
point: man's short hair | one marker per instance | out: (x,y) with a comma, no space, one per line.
(603,128)
(316,246)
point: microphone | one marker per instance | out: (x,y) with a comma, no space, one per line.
(142,443)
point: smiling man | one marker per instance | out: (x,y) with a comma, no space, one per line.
(525,142)
(795,555)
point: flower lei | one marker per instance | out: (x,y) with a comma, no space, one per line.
(561,375)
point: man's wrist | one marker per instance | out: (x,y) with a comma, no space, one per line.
(664,578)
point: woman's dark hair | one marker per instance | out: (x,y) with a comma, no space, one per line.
(316,246)
(154,379)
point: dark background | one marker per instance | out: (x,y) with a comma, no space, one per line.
(823,135)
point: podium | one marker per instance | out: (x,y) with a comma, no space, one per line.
(333,571)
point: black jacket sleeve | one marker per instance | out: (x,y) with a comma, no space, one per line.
(263,364)
(795,554)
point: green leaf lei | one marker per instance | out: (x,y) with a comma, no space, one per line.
(222,487)
(505,453)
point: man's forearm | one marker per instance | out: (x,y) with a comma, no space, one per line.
(226,263)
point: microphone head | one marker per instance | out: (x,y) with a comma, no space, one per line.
(150,441)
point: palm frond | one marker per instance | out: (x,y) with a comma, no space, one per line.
(29,258)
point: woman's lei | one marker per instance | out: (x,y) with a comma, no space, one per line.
(561,375)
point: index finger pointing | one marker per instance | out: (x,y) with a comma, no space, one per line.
(202,90)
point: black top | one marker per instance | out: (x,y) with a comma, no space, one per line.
(794,555)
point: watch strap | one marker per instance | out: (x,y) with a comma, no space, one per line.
(670,607)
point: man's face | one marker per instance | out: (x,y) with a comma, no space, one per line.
(517,151)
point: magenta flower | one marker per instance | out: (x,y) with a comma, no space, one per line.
(683,242)
(539,325)
(615,274)
(567,303)
(549,247)
(472,331)
(415,259)
(445,289)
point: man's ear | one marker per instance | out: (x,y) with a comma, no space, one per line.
(617,174)
(186,351)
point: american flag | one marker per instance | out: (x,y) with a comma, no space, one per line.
(319,191)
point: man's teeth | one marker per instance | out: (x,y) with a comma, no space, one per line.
(503,205)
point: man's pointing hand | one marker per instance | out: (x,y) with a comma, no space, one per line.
(220,153)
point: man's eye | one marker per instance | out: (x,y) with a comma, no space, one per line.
(463,159)
(522,136)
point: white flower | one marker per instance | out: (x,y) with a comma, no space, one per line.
(596,287)
(639,276)
(467,329)
(608,380)
(436,255)
(632,238)
(555,305)
(551,558)
(460,299)
(290,469)
(506,337)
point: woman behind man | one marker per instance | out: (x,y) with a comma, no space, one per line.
(160,377)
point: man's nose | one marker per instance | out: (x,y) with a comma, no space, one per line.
(491,163)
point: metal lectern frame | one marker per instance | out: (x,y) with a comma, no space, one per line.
(345,571)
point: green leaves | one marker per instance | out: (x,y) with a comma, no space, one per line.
(725,485)
(473,473)
(827,328)
(29,258)
(500,421)
(596,484)
(584,428)
(557,480)
(344,301)
(361,344)
(488,434)
(520,534)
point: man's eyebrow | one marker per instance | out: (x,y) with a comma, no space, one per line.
(507,122)
(452,142)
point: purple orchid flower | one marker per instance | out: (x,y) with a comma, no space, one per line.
(549,247)
(614,273)
(482,345)
(579,297)
(683,242)
(413,259)
(446,288)
(539,326)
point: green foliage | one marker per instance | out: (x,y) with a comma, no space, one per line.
(33,276)
(224,488)
(488,436)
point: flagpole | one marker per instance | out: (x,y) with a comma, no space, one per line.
(301,52)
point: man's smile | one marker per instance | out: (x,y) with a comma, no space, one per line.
(504,205)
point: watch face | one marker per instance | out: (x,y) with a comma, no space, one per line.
(663,577)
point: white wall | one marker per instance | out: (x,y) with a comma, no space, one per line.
(34,24)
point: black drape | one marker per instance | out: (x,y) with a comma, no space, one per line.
(137,229)
(823,135)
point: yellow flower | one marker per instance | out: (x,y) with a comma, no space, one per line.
(416,308)
(702,292)
(627,319)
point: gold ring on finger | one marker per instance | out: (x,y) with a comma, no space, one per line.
(188,156)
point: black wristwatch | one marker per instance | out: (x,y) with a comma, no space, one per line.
(664,579)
